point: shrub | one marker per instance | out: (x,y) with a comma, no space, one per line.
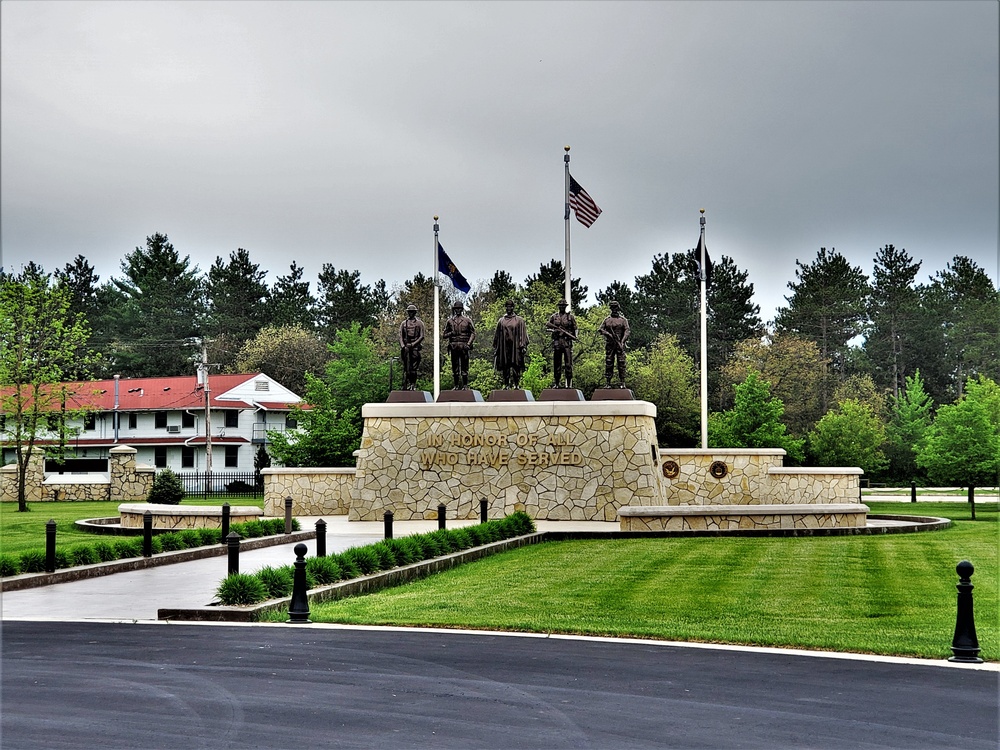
(363,557)
(63,559)
(128,547)
(460,539)
(171,541)
(33,561)
(167,489)
(277,581)
(401,550)
(521,523)
(248,529)
(82,554)
(10,565)
(241,589)
(348,567)
(478,535)
(209,536)
(325,570)
(428,546)
(156,546)
(105,551)
(385,554)
(190,538)
(443,540)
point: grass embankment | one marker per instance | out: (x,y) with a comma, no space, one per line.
(885,594)
(20,532)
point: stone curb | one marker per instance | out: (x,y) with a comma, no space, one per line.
(81,572)
(353,587)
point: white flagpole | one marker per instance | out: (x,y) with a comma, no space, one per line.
(569,297)
(437,317)
(704,337)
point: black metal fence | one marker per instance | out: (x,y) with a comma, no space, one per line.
(222,483)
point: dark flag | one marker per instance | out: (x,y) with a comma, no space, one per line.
(582,204)
(450,270)
(696,253)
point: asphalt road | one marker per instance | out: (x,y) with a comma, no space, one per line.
(160,686)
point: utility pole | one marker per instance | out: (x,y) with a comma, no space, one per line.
(203,372)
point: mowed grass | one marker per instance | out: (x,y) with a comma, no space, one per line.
(885,594)
(20,532)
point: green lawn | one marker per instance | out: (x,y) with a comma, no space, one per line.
(885,594)
(20,532)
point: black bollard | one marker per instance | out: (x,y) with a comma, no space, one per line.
(965,644)
(233,545)
(972,500)
(441,512)
(225,522)
(50,546)
(321,538)
(483,511)
(288,515)
(913,492)
(147,534)
(298,609)
(387,520)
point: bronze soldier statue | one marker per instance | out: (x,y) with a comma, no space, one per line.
(616,331)
(510,343)
(411,337)
(563,327)
(461,334)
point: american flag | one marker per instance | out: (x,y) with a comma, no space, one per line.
(582,204)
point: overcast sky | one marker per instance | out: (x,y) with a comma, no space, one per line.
(333,132)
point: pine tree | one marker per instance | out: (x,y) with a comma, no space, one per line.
(892,311)
(237,297)
(911,413)
(292,304)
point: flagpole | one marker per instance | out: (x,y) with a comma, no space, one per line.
(437,317)
(704,335)
(569,297)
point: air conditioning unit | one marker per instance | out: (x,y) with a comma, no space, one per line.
(173,428)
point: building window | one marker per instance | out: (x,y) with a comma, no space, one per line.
(187,420)
(133,420)
(232,418)
(161,420)
(232,456)
(291,423)
(160,457)
(187,457)
(90,422)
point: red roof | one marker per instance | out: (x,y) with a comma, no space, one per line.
(109,442)
(150,394)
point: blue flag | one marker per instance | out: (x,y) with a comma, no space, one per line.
(450,270)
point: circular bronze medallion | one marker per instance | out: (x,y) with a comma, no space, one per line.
(671,469)
(718,469)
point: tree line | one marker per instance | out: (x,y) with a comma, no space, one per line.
(845,348)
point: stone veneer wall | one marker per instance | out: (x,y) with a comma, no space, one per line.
(314,492)
(553,460)
(125,481)
(755,476)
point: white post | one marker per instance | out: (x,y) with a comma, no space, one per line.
(437,317)
(568,283)
(704,336)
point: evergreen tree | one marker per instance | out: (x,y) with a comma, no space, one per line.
(553,274)
(668,303)
(827,305)
(343,300)
(911,414)
(237,297)
(161,313)
(81,281)
(624,295)
(892,310)
(292,304)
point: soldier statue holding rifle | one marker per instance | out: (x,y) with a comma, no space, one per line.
(411,337)
(562,325)
(616,331)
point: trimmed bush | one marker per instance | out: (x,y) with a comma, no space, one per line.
(190,538)
(10,565)
(249,529)
(478,535)
(444,541)
(63,559)
(460,539)
(171,541)
(82,554)
(325,570)
(429,546)
(241,589)
(386,557)
(402,550)
(105,551)
(156,546)
(277,581)
(167,489)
